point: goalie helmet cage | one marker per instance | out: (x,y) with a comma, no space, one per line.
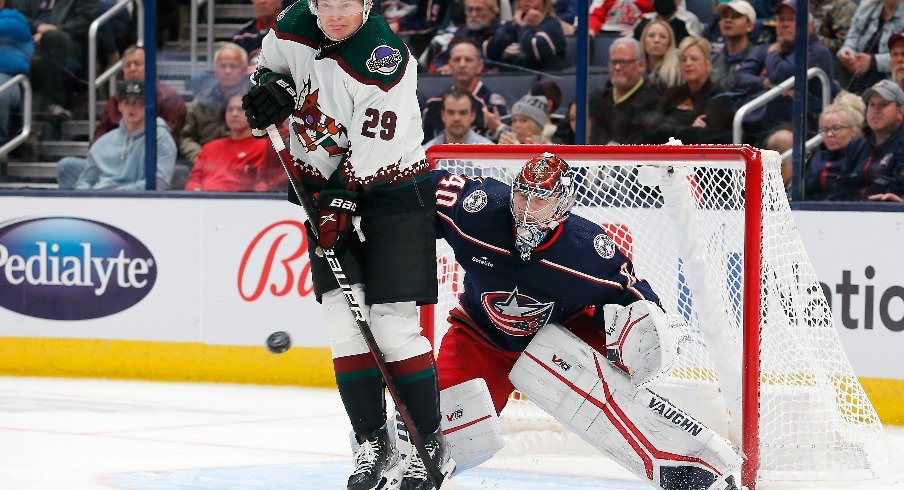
(710,228)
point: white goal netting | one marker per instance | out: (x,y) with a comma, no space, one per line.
(681,214)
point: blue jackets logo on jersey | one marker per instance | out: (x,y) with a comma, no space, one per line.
(604,246)
(384,60)
(475,201)
(514,313)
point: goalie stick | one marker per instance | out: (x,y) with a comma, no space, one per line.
(416,439)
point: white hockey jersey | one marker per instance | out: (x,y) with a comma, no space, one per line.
(357,108)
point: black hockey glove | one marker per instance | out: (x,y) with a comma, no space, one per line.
(268,104)
(334,221)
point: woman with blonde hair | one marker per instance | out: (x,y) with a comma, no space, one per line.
(839,124)
(696,110)
(658,43)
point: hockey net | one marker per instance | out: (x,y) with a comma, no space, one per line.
(710,228)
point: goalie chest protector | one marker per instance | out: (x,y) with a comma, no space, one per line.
(508,299)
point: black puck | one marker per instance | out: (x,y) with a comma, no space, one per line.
(278,342)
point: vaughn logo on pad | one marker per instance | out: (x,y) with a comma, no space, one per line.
(64,268)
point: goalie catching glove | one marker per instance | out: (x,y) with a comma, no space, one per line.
(269,104)
(334,221)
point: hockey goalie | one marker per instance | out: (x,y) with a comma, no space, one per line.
(552,307)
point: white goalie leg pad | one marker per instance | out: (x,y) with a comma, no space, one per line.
(641,340)
(345,336)
(469,423)
(634,426)
(397,330)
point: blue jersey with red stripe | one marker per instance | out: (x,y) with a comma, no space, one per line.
(507,299)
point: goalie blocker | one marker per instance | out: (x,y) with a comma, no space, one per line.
(607,402)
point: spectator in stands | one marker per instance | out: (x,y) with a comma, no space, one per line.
(613,16)
(466,65)
(170,105)
(204,116)
(532,39)
(864,56)
(458,119)
(16,48)
(839,124)
(239,162)
(251,35)
(60,32)
(737,19)
(877,159)
(550,89)
(481,21)
(781,139)
(695,111)
(834,19)
(622,110)
(896,57)
(682,22)
(660,55)
(528,119)
(772,64)
(116,160)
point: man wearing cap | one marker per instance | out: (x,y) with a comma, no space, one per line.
(528,119)
(772,64)
(877,159)
(896,58)
(737,19)
(170,105)
(116,160)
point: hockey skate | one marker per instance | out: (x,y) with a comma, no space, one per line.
(415,476)
(376,460)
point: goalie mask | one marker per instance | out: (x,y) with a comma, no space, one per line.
(341,8)
(542,196)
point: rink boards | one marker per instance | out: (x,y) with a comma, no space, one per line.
(189,289)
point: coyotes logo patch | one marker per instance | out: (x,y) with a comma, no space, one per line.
(515,313)
(314,129)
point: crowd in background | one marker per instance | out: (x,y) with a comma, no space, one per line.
(668,75)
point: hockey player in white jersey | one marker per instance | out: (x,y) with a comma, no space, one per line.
(551,306)
(347,85)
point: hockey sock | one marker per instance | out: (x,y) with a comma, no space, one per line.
(415,379)
(361,389)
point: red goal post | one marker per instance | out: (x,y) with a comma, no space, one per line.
(699,205)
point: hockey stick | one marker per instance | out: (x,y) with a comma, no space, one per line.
(285,159)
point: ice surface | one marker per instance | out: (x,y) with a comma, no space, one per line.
(85,434)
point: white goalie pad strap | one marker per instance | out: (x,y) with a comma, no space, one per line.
(641,340)
(469,423)
(634,426)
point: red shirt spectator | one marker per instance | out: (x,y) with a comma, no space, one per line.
(238,162)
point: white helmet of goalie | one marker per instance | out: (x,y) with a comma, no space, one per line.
(542,196)
(338,19)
